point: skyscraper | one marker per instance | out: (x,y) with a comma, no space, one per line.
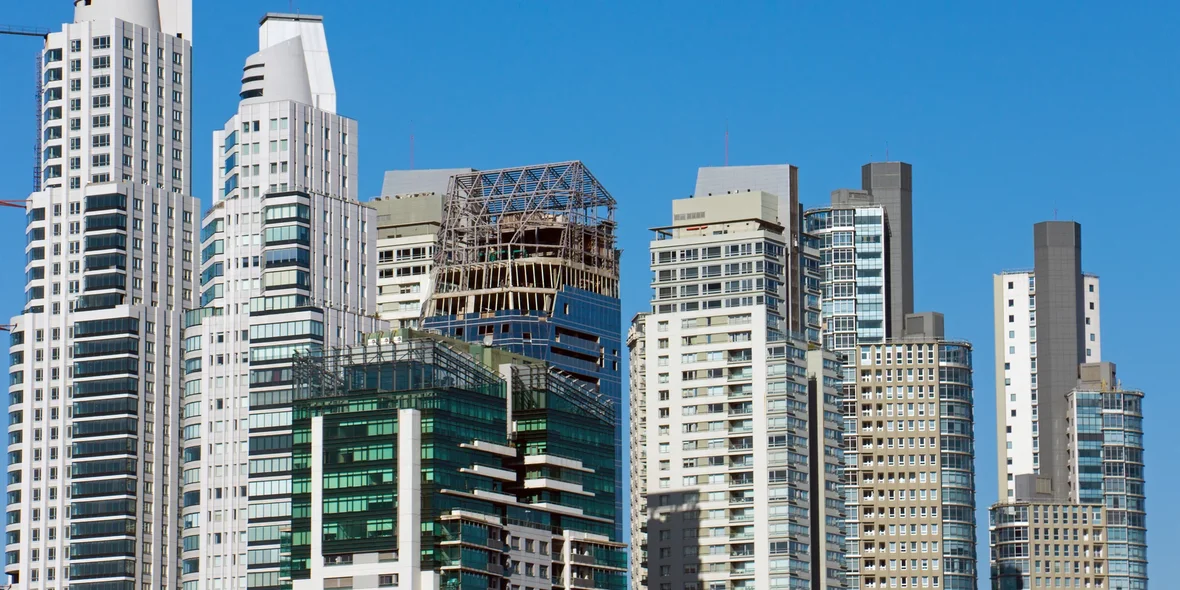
(637,381)
(1047,323)
(527,261)
(94,378)
(1104,500)
(781,180)
(409,215)
(891,186)
(742,430)
(1105,429)
(1072,438)
(910,468)
(287,266)
(429,463)
(1021,558)
(867,257)
(855,295)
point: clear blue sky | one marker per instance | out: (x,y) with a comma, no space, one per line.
(1011,113)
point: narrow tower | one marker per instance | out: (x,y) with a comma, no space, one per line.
(1047,324)
(287,268)
(95,376)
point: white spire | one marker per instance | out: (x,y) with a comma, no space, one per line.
(174,17)
(292,63)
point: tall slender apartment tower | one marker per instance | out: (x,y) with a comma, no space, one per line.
(742,432)
(891,185)
(867,258)
(287,267)
(527,261)
(854,258)
(637,354)
(1047,324)
(94,382)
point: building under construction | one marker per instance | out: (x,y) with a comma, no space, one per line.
(526,260)
(514,238)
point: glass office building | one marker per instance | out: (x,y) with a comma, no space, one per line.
(425,462)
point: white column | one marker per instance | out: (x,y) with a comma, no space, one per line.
(317,502)
(409,498)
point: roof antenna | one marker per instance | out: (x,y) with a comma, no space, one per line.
(411,145)
(727,143)
(887,151)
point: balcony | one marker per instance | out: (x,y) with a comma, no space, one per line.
(741,498)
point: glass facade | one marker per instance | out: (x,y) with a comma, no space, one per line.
(958,466)
(549,471)
(852,260)
(1108,428)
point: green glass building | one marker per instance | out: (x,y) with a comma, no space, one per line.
(424,462)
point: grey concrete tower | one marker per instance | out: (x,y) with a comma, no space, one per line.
(1061,346)
(891,186)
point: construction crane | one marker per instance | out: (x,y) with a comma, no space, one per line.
(43,33)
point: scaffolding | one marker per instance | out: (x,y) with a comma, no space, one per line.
(512,238)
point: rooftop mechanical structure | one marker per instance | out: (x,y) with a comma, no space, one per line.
(512,238)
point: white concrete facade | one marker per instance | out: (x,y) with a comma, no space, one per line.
(637,349)
(287,266)
(94,377)
(730,480)
(60,374)
(1016,369)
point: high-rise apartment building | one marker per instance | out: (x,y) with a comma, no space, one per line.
(801,296)
(287,266)
(909,444)
(527,261)
(1105,436)
(430,463)
(637,355)
(1102,539)
(94,380)
(1070,438)
(867,257)
(853,260)
(409,216)
(1039,542)
(1047,324)
(742,431)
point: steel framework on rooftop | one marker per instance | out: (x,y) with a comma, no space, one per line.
(511,238)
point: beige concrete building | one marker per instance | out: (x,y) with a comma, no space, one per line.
(909,462)
(409,215)
(1041,543)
